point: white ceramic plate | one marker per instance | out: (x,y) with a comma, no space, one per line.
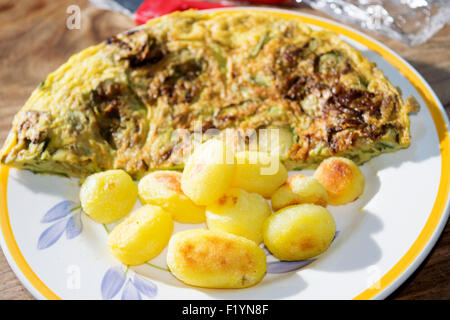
(58,252)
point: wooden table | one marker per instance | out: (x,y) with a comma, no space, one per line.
(34,41)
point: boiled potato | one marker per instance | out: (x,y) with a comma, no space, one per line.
(276,140)
(163,188)
(240,213)
(259,172)
(208,172)
(214,259)
(299,232)
(342,179)
(108,196)
(297,190)
(141,236)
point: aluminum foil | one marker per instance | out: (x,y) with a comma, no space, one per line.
(410,21)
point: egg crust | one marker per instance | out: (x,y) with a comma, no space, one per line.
(119,104)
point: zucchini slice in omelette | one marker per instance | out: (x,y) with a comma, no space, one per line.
(119,104)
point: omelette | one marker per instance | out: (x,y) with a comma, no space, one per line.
(120,104)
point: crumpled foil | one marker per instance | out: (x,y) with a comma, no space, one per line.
(410,21)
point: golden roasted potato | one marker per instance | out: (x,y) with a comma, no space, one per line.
(141,236)
(208,172)
(342,179)
(297,190)
(214,259)
(259,172)
(299,232)
(108,196)
(240,213)
(163,188)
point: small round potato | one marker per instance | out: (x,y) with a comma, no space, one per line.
(240,213)
(297,190)
(141,236)
(108,196)
(342,179)
(214,259)
(276,140)
(299,232)
(259,172)
(208,172)
(163,188)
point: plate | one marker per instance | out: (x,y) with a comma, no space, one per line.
(59,253)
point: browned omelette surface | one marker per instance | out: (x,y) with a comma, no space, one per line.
(131,101)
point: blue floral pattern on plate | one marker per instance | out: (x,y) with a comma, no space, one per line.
(65,217)
(133,285)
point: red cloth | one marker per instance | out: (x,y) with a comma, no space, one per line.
(154,8)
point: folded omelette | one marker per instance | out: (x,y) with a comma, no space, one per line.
(119,103)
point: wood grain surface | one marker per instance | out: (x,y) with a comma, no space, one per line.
(34,41)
